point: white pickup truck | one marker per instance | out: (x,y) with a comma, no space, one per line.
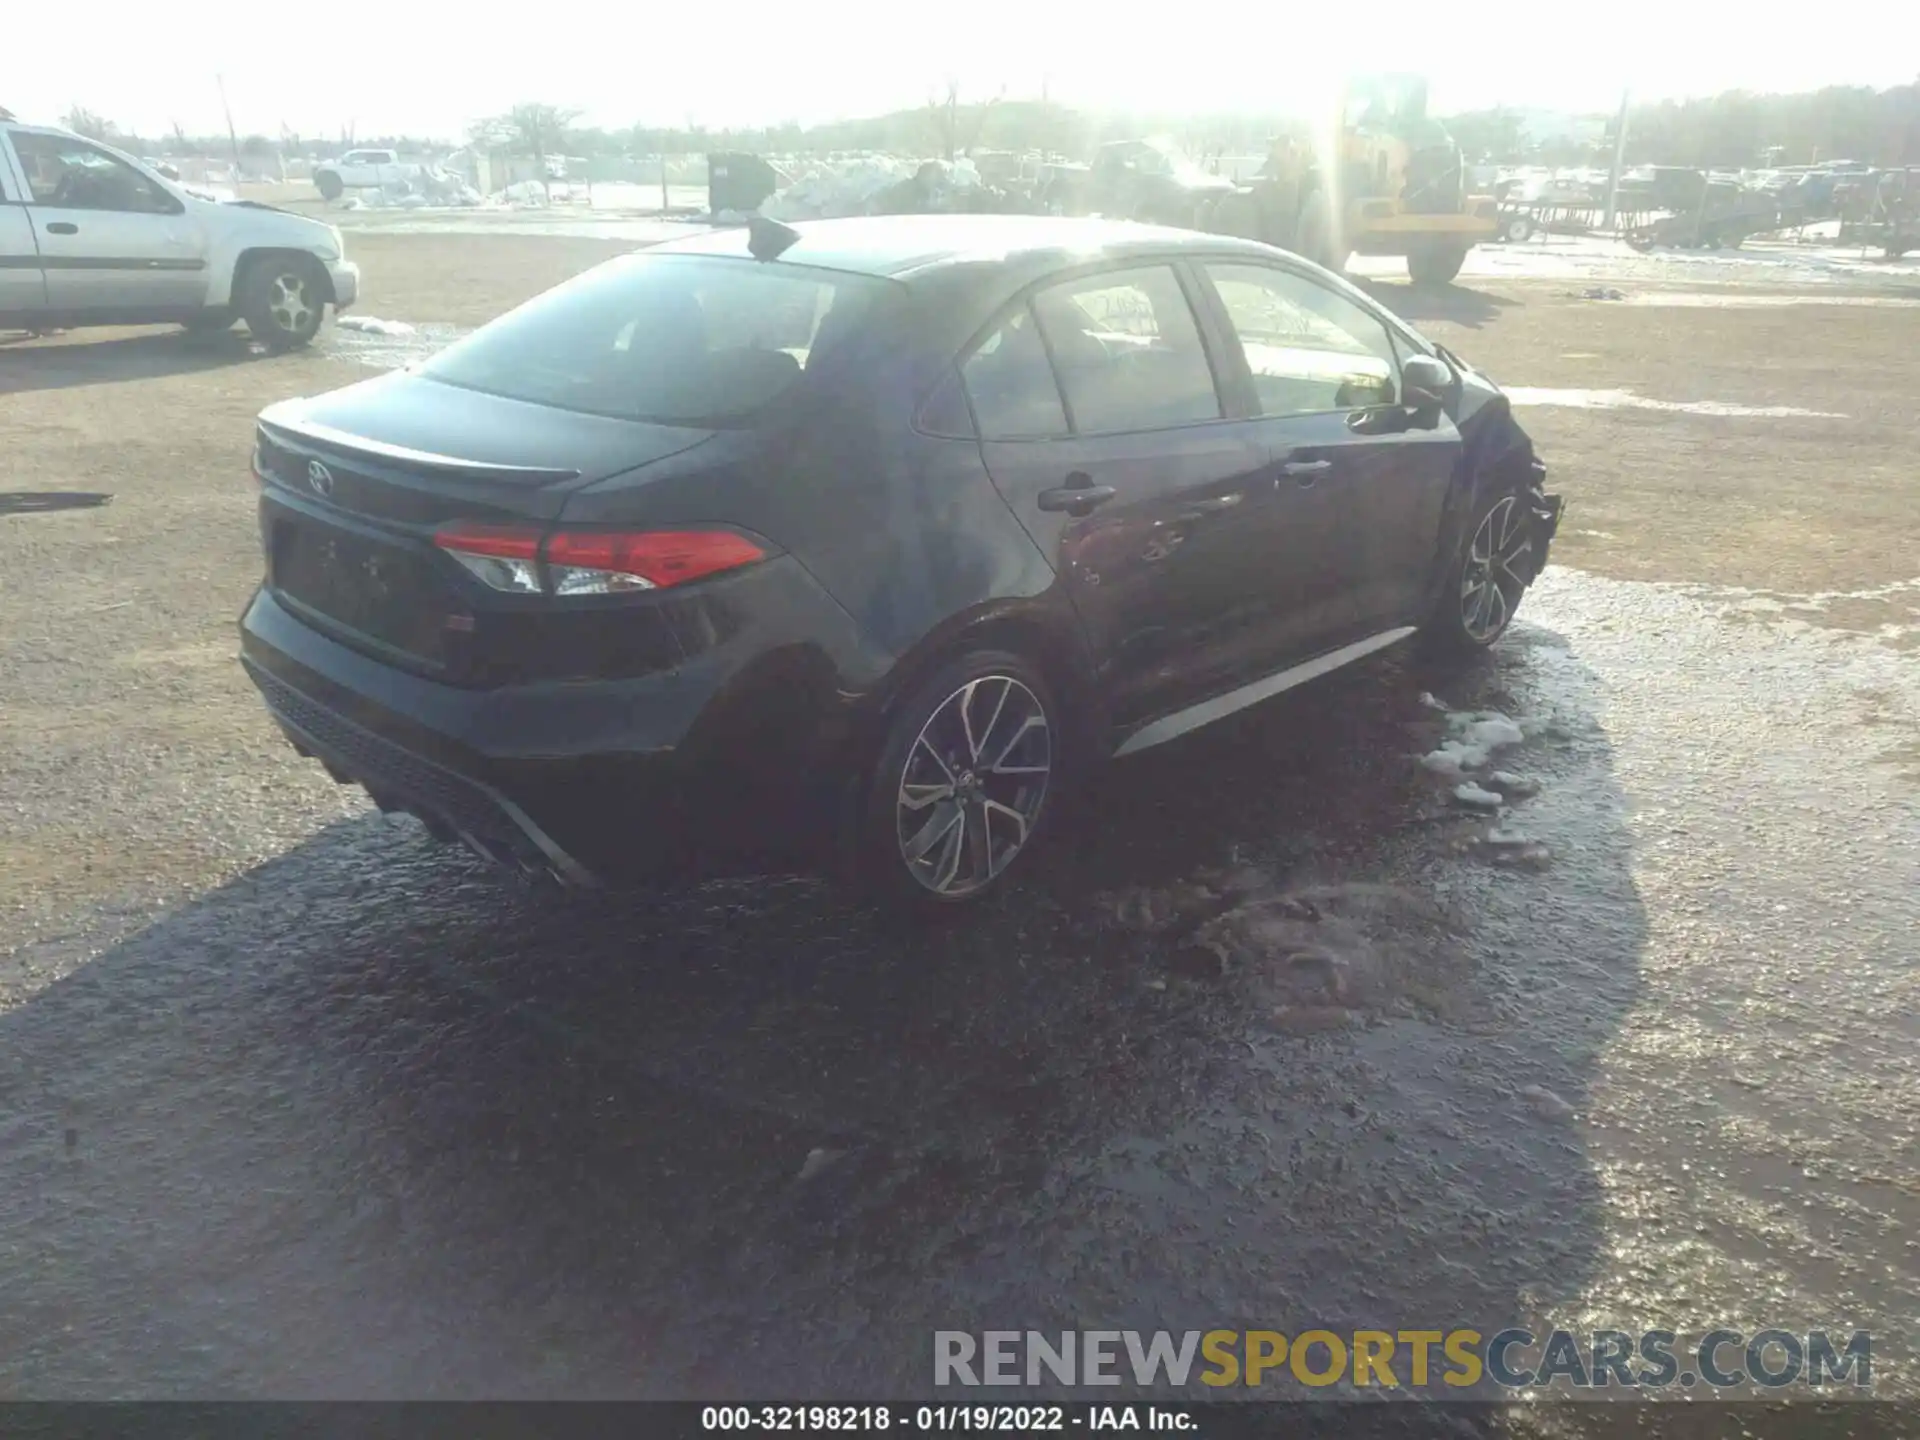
(365,170)
(89,236)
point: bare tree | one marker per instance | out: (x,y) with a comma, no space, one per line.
(945,115)
(83,121)
(534,129)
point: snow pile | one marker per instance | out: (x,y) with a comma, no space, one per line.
(1454,758)
(433,189)
(1472,738)
(844,188)
(372,325)
(1486,729)
(876,184)
(527,192)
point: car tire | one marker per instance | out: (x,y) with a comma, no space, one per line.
(329,185)
(283,300)
(1482,587)
(1436,264)
(975,749)
(1517,229)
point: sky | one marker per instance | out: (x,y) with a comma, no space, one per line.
(409,67)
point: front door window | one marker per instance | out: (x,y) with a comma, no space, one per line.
(69,174)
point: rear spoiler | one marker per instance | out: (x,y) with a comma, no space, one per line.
(315,433)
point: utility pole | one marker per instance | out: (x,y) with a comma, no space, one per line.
(232,138)
(1619,158)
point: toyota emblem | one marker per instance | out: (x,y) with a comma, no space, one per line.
(319,479)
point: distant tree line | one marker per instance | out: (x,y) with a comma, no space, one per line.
(1732,130)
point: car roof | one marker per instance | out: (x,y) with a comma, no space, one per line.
(898,246)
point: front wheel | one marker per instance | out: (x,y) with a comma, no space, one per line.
(1436,264)
(1482,590)
(329,185)
(962,781)
(283,299)
(1517,228)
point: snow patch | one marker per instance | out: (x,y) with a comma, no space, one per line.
(372,325)
(1514,787)
(1454,759)
(1627,400)
(1488,729)
(1471,794)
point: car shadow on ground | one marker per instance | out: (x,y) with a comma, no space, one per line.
(372,1121)
(1474,309)
(86,358)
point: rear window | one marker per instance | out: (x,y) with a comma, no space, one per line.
(680,340)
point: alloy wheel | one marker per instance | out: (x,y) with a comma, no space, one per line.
(1491,583)
(971,790)
(288,304)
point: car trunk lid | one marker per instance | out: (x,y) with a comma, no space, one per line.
(356,484)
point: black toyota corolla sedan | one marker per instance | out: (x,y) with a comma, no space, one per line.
(847,544)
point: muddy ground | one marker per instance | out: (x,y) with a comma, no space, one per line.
(294,1102)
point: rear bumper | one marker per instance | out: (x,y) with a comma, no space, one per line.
(452,805)
(672,773)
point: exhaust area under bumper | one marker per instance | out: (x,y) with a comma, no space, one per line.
(452,806)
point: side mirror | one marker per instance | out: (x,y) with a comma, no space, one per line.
(1424,382)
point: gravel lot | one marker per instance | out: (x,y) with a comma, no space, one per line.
(293,1102)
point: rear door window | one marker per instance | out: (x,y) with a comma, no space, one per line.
(1011,385)
(681,340)
(1128,351)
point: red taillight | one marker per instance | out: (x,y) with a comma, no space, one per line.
(660,558)
(592,562)
(499,542)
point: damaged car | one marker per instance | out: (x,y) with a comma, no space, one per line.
(848,544)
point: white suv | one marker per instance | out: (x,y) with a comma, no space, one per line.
(89,236)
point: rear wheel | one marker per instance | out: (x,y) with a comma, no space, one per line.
(962,781)
(1436,264)
(329,185)
(283,299)
(1517,228)
(1477,600)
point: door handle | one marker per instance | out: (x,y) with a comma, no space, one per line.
(63,227)
(1306,471)
(1077,497)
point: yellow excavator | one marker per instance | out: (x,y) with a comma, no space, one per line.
(1389,180)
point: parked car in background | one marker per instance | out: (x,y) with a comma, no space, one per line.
(849,543)
(89,236)
(365,170)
